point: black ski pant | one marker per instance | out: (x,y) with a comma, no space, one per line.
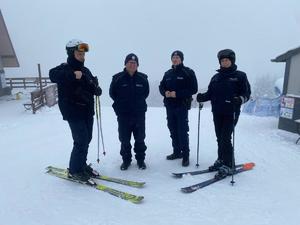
(177,118)
(132,124)
(224,127)
(82,131)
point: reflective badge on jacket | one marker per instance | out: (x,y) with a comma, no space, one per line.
(139,85)
(233,79)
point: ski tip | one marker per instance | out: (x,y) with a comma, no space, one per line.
(176,175)
(48,169)
(184,190)
(187,190)
(248,166)
(139,200)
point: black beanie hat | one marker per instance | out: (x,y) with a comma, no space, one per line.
(226,53)
(178,53)
(133,57)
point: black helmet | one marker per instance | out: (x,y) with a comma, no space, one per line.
(226,53)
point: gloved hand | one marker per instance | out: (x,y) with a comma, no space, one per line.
(98,91)
(95,81)
(237,101)
(200,105)
(200,97)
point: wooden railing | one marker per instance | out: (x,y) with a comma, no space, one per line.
(27,82)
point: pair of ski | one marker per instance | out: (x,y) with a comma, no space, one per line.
(189,189)
(63,174)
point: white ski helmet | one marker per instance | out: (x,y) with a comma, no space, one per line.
(76,44)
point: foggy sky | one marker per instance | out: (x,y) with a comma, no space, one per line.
(256,30)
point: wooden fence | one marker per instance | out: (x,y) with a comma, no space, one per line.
(27,82)
(39,98)
(44,92)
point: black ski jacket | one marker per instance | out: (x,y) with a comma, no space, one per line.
(223,87)
(129,93)
(183,81)
(75,97)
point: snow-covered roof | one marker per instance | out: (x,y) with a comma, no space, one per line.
(285,56)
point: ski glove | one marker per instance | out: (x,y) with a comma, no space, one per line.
(200,105)
(200,97)
(98,91)
(237,101)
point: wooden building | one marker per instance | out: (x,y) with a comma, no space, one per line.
(290,103)
(8,57)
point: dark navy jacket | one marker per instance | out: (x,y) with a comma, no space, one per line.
(183,81)
(75,97)
(224,86)
(129,93)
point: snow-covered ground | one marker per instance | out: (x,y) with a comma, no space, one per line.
(267,195)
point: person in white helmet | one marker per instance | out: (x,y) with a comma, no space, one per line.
(76,89)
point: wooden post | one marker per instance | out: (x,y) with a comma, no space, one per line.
(41,85)
(40,77)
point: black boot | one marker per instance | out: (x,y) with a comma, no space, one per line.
(125,165)
(224,171)
(185,162)
(174,156)
(90,171)
(141,165)
(217,164)
(81,176)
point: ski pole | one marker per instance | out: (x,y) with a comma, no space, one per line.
(232,159)
(97,116)
(101,130)
(200,107)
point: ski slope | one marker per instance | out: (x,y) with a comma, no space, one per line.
(267,195)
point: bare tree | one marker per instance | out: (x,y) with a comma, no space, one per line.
(264,86)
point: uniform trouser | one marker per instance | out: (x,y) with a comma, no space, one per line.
(224,127)
(132,124)
(177,118)
(82,131)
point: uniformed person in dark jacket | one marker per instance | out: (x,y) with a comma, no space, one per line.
(76,89)
(129,90)
(177,86)
(227,90)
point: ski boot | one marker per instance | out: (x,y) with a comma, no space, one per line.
(141,165)
(90,171)
(217,164)
(174,156)
(223,172)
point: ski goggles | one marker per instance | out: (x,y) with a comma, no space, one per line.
(83,47)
